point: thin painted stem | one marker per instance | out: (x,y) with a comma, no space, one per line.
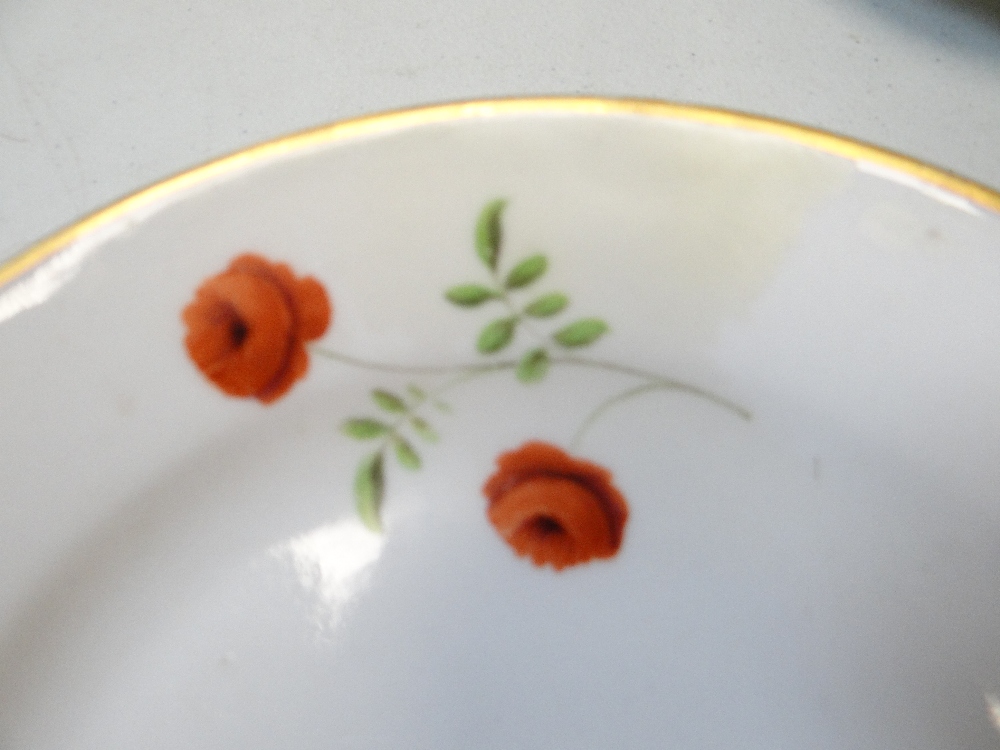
(468,371)
(599,411)
(475,367)
(461,377)
(468,375)
(658,380)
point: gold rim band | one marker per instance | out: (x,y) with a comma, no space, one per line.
(818,139)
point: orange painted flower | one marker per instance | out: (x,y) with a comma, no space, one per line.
(247,327)
(554,508)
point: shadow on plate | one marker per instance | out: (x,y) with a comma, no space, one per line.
(972,26)
(987,11)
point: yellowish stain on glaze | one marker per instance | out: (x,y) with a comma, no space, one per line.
(704,218)
(743,205)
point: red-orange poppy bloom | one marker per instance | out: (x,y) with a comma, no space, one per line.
(553,508)
(247,327)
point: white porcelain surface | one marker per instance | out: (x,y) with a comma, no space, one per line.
(184,569)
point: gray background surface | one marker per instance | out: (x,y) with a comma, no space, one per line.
(101,98)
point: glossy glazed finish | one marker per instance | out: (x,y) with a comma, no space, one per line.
(188,569)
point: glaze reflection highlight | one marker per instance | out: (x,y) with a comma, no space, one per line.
(332,564)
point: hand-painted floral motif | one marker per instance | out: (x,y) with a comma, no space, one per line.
(247,327)
(553,508)
(247,330)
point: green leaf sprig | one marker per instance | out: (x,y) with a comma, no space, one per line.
(400,421)
(369,480)
(500,332)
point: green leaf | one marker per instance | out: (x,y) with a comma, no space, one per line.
(369,485)
(533,366)
(469,295)
(416,393)
(405,454)
(496,335)
(388,401)
(364,429)
(526,271)
(547,305)
(424,430)
(582,332)
(489,233)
